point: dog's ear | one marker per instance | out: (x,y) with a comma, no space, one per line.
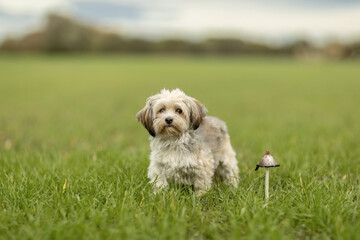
(197,112)
(145,116)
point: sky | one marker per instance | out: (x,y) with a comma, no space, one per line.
(270,21)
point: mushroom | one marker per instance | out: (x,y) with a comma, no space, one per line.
(267,162)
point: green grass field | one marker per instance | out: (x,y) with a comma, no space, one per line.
(73,158)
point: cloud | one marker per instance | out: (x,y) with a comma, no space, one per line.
(31,7)
(99,10)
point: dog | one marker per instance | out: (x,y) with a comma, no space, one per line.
(187,147)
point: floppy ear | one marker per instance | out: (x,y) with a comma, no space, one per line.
(197,112)
(145,116)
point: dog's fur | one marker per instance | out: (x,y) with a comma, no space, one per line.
(193,149)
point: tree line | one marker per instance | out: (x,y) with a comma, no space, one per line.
(62,34)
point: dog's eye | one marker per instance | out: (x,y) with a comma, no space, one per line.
(179,111)
(162,110)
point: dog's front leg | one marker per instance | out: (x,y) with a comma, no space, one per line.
(202,184)
(157,177)
(160,183)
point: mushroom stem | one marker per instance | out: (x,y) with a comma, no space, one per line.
(267,183)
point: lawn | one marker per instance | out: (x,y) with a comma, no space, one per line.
(73,158)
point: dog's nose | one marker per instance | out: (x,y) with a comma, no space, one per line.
(168,120)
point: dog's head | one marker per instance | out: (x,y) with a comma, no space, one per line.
(171,113)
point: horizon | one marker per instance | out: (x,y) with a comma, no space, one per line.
(282,22)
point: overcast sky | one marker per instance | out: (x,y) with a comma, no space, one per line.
(273,21)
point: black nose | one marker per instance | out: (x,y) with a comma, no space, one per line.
(168,120)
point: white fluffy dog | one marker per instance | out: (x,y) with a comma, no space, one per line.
(186,146)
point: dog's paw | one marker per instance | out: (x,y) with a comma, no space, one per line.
(199,193)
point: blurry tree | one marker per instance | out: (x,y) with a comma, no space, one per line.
(334,50)
(302,49)
(139,46)
(234,46)
(353,50)
(63,34)
(174,45)
(109,42)
(10,45)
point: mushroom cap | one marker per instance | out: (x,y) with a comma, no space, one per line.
(267,161)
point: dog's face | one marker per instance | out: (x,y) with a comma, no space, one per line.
(171,113)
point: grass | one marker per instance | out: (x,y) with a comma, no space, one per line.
(73,158)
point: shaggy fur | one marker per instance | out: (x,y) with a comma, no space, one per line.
(186,146)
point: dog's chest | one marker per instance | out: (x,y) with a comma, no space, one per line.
(177,164)
(179,160)
(176,158)
(180,167)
